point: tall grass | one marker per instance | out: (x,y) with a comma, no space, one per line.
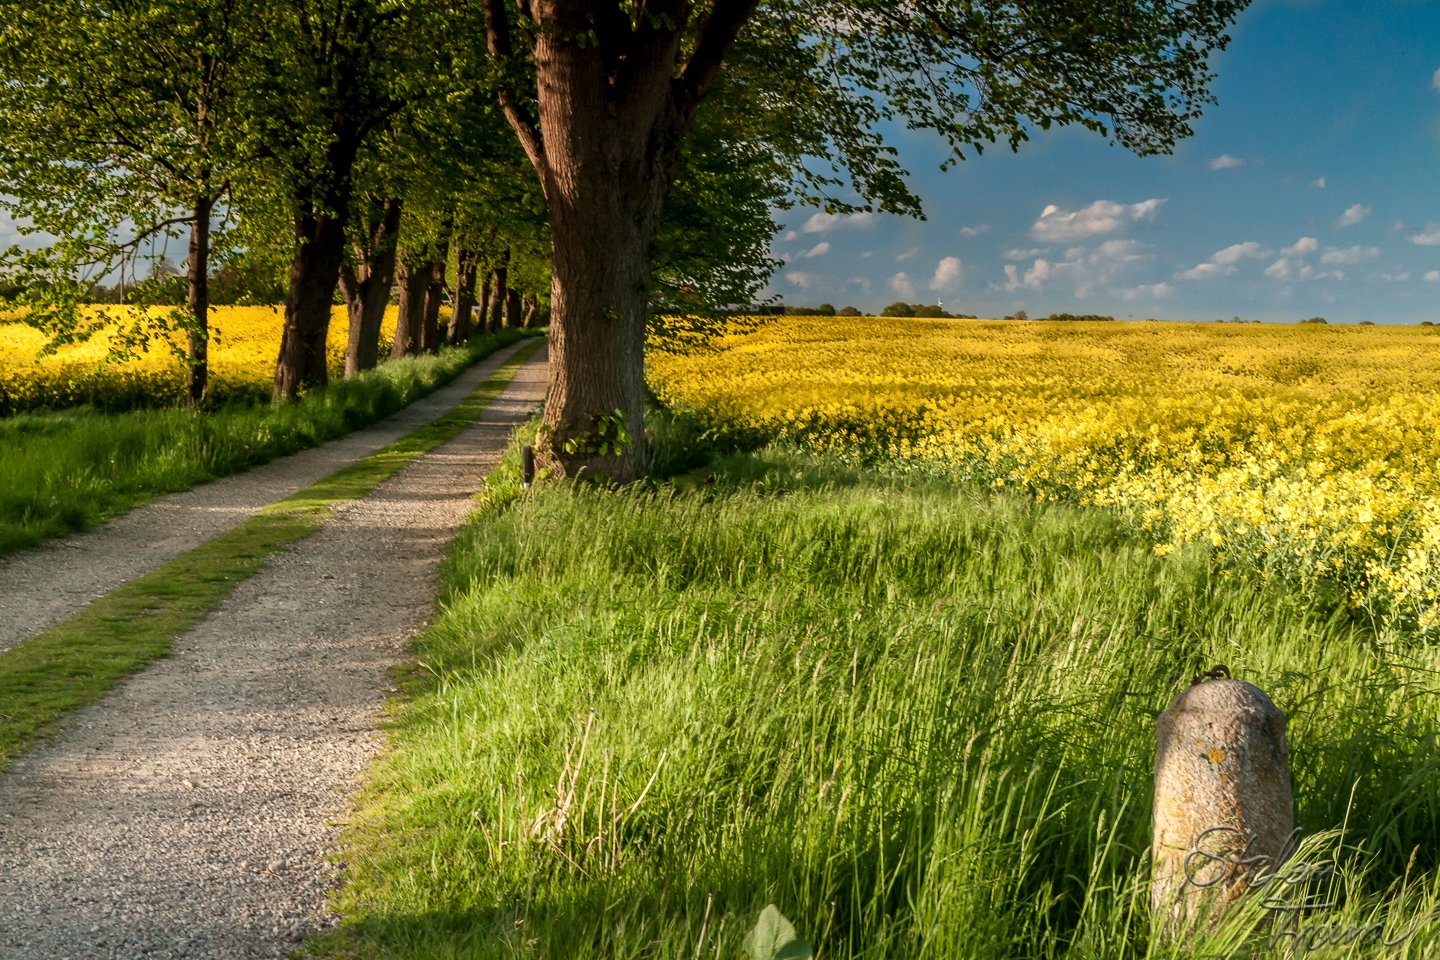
(918,719)
(68,470)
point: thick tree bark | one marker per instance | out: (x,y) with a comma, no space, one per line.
(314,272)
(482,314)
(609,168)
(499,283)
(465,269)
(434,299)
(598,303)
(197,363)
(322,207)
(514,309)
(367,286)
(410,319)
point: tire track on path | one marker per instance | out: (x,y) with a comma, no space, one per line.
(43,586)
(190,814)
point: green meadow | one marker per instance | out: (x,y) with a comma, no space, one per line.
(915,717)
(66,470)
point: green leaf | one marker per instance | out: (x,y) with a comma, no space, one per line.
(774,938)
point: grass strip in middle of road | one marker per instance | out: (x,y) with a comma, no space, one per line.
(77,661)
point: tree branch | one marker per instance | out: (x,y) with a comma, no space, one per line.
(718,31)
(501,47)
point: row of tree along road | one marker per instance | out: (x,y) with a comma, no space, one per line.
(604,157)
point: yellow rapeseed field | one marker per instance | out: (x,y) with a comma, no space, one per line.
(1305,451)
(242,364)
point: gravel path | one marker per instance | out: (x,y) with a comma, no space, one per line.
(190,814)
(43,586)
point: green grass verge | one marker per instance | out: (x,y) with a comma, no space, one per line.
(917,718)
(64,471)
(77,661)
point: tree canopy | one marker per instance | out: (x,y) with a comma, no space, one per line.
(117,131)
(361,141)
(605,101)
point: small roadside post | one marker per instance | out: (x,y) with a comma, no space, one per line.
(527,466)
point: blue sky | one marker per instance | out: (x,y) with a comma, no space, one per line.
(1312,188)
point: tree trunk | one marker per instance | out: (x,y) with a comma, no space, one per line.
(465,268)
(514,312)
(499,282)
(482,315)
(367,287)
(322,206)
(609,166)
(314,273)
(197,363)
(611,111)
(434,298)
(410,319)
(598,302)
(529,303)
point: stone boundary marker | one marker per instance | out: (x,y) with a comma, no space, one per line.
(1223,806)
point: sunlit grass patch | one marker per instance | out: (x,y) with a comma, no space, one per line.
(917,718)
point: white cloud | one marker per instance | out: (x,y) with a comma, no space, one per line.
(1103,216)
(1117,252)
(819,250)
(947,274)
(1435,80)
(974,231)
(1279,270)
(1249,250)
(902,285)
(1303,245)
(1429,237)
(791,235)
(1222,262)
(1400,277)
(798,278)
(1226,162)
(825,222)
(907,255)
(867,254)
(1148,291)
(1334,256)
(1318,183)
(1021,253)
(1086,268)
(11,235)
(1353,214)
(862,282)
(1433,276)
(1204,271)
(1034,278)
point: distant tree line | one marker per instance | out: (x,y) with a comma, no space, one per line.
(902,309)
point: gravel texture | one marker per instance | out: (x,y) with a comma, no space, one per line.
(45,585)
(191,813)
